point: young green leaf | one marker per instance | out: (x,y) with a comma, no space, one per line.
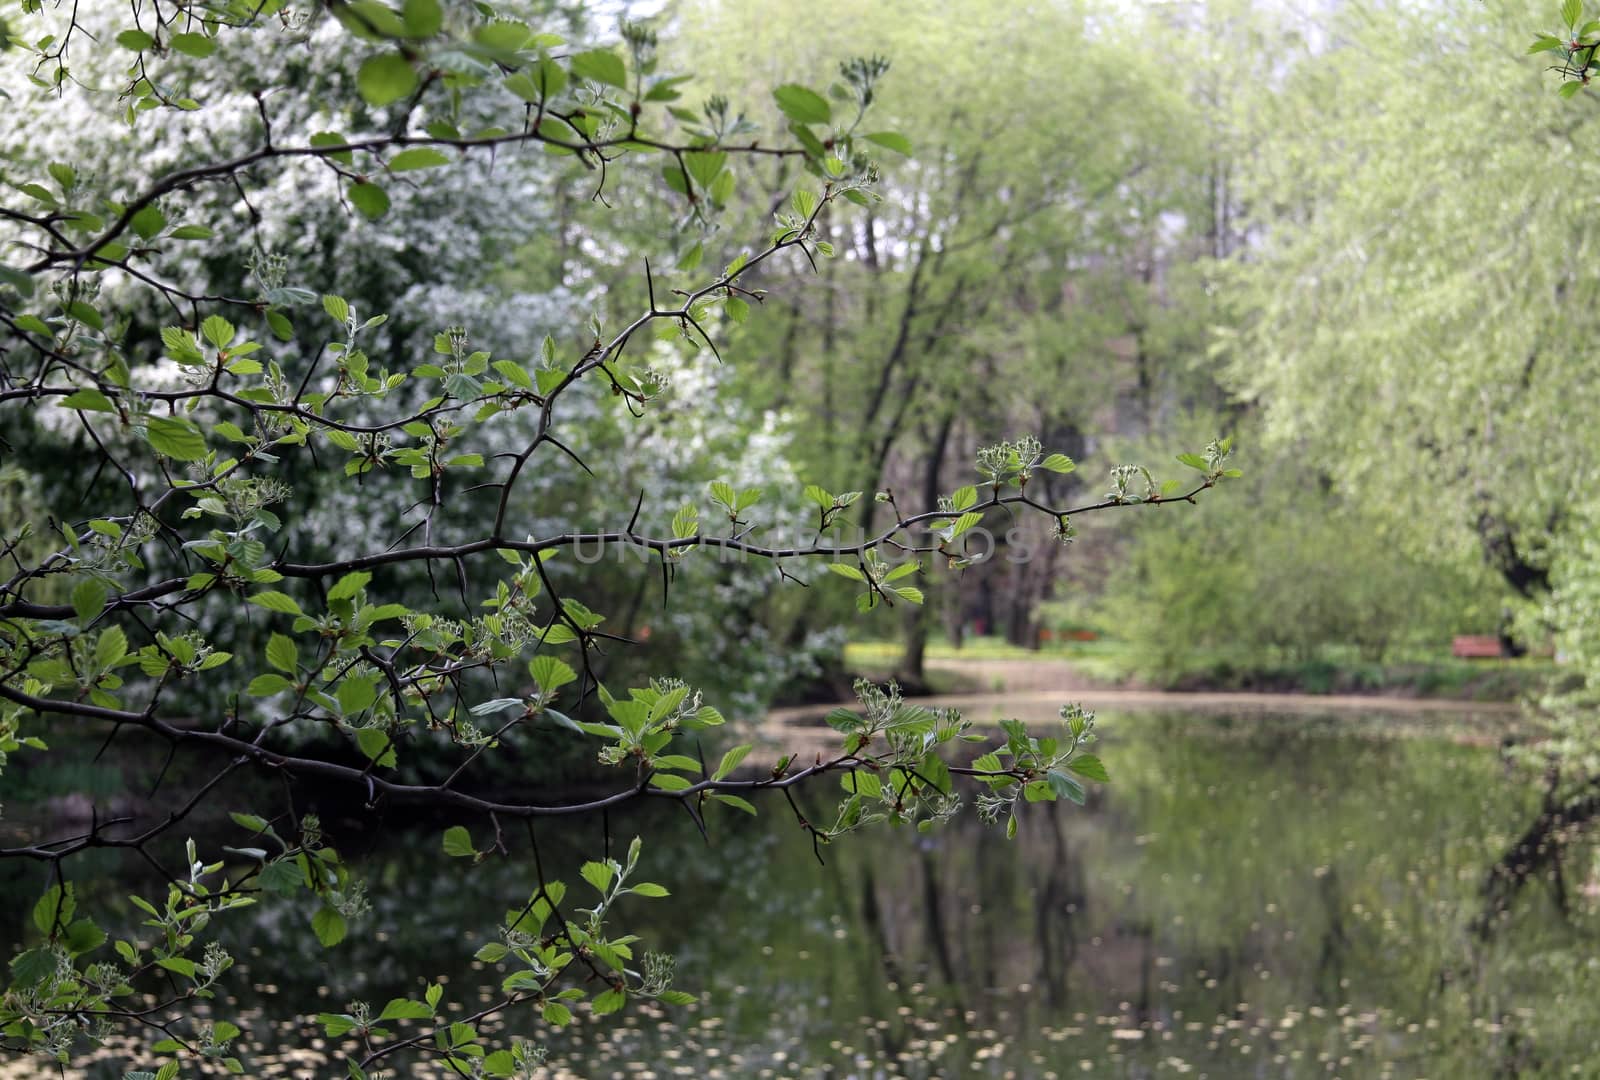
(175,437)
(598,874)
(385,78)
(458,842)
(329,926)
(801,105)
(730,761)
(600,65)
(1090,766)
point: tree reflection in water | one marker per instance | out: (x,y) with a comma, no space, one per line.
(1277,896)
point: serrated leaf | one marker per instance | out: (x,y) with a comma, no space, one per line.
(85,313)
(336,1024)
(254,822)
(458,842)
(730,761)
(348,586)
(422,18)
(196,45)
(819,495)
(514,373)
(89,599)
(55,906)
(484,708)
(279,324)
(148,222)
(175,437)
(417,157)
(217,330)
(273,600)
(600,65)
(1090,766)
(598,874)
(178,965)
(370,199)
(860,782)
(283,654)
(736,802)
(685,523)
(329,926)
(32,966)
(110,648)
(802,105)
(267,685)
(891,140)
(550,673)
(608,1002)
(385,78)
(904,569)
(1060,784)
(405,1009)
(1041,790)
(377,744)
(705,166)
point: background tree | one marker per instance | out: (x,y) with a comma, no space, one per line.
(1005,281)
(1425,340)
(377,658)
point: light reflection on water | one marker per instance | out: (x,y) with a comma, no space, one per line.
(1265,896)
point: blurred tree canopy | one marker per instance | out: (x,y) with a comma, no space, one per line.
(348,437)
(377,377)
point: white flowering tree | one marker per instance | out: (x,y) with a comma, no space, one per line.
(332,518)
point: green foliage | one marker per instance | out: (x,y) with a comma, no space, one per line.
(1427,337)
(1309,574)
(340,549)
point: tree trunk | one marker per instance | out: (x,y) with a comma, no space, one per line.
(919,617)
(1537,850)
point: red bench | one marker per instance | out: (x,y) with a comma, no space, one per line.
(1477,647)
(1047,634)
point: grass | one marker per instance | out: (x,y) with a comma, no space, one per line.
(885,654)
(1416,671)
(1441,676)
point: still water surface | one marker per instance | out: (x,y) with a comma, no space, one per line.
(1261,896)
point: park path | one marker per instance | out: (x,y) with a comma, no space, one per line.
(1056,676)
(1032,690)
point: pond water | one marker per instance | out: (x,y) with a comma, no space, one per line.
(1260,896)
